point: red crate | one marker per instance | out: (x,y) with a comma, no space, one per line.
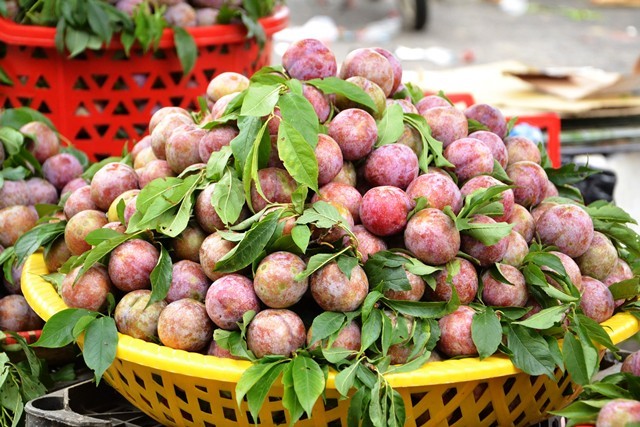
(101,99)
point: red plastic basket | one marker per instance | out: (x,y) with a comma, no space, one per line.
(101,99)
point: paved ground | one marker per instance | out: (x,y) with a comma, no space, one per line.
(547,33)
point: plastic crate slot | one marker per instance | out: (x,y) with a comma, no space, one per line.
(540,392)
(101,129)
(123,378)
(488,410)
(23,79)
(416,398)
(204,406)
(545,405)
(141,104)
(225,394)
(25,101)
(7,103)
(515,403)
(335,423)
(80,84)
(275,399)
(120,84)
(82,110)
(83,135)
(159,54)
(122,133)
(176,76)
(479,391)
(99,79)
(448,395)
(39,53)
(146,401)
(229,414)
(162,400)
(331,404)
(520,418)
(139,380)
(224,49)
(44,108)
(207,424)
(201,388)
(119,55)
(508,385)
(423,418)
(192,106)
(100,104)
(187,416)
(455,416)
(140,129)
(120,110)
(141,79)
(211,48)
(42,83)
(180,394)
(158,83)
(250,418)
(176,100)
(278,417)
(209,73)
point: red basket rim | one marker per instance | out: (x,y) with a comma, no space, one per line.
(29,337)
(39,36)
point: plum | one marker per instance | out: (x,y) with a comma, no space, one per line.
(144,142)
(166,125)
(186,245)
(111,181)
(370,88)
(14,222)
(334,291)
(61,168)
(414,294)
(216,350)
(56,254)
(631,364)
(229,298)
(131,263)
(447,124)
(14,286)
(568,227)
(542,208)
(599,259)
(485,254)
(432,237)
(489,116)
(274,280)
(495,144)
(347,174)
(368,243)
(621,271)
(215,139)
(308,59)
(276,332)
(319,101)
(619,412)
(277,186)
(570,267)
(73,185)
(530,182)
(355,131)
(44,142)
(329,158)
(392,164)
(348,338)
(455,333)
(412,139)
(496,293)
(78,201)
(153,170)
(523,222)
(90,291)
(431,101)
(143,158)
(470,157)
(135,317)
(182,147)
(181,15)
(439,190)
(405,104)
(213,248)
(188,281)
(226,83)
(220,106)
(517,249)
(372,65)
(343,194)
(273,125)
(465,281)
(521,148)
(112,212)
(184,325)
(486,181)
(597,301)
(384,210)
(163,112)
(16,315)
(14,193)
(41,192)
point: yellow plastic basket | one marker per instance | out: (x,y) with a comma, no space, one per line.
(179,388)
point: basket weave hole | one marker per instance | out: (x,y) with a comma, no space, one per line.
(229,413)
(80,84)
(139,380)
(515,403)
(423,418)
(180,393)
(508,385)
(158,83)
(225,394)
(448,395)
(99,79)
(120,84)
(121,110)
(185,415)
(37,52)
(520,418)
(488,410)
(455,416)
(479,390)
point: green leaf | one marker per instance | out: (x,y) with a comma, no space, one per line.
(391,125)
(299,198)
(241,145)
(91,170)
(185,48)
(346,264)
(58,331)
(421,309)
(499,173)
(387,268)
(180,220)
(42,234)
(76,41)
(4,78)
(11,139)
(258,393)
(316,262)
(474,126)
(17,117)
(99,235)
(98,252)
(570,173)
(596,332)
(434,146)
(530,351)
(574,359)
(546,318)
(99,21)
(625,289)
(371,329)
(217,163)
(335,85)
(308,382)
(301,235)
(345,379)
(298,156)
(228,197)
(488,234)
(486,332)
(358,407)
(609,213)
(100,342)
(250,246)
(80,155)
(321,214)
(289,399)
(299,114)
(326,324)
(260,100)
(161,277)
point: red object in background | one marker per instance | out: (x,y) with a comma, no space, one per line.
(101,99)
(545,121)
(29,336)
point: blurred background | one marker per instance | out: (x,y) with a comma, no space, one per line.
(579,59)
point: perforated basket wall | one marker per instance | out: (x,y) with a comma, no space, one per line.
(101,99)
(179,388)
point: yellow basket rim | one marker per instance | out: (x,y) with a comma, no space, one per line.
(45,301)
